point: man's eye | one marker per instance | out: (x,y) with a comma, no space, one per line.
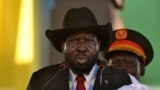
(89,39)
(72,40)
(113,63)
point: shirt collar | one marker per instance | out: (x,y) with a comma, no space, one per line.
(89,76)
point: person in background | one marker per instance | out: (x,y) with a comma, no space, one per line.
(80,40)
(129,51)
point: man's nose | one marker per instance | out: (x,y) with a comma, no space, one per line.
(123,67)
(82,46)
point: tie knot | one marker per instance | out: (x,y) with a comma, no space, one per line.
(80,78)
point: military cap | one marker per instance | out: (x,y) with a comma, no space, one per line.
(131,41)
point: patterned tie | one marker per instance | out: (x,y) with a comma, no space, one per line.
(80,82)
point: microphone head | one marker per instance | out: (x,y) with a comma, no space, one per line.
(102,64)
(63,65)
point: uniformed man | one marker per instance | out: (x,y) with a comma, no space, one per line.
(129,51)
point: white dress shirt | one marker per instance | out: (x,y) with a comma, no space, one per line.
(90,79)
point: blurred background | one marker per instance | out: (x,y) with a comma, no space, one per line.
(24,47)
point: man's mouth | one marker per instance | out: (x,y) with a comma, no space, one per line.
(81,59)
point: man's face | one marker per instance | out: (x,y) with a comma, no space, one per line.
(81,51)
(127,62)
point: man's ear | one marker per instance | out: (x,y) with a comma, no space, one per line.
(109,62)
(63,47)
(142,68)
(98,46)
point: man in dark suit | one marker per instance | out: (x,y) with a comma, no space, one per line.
(80,41)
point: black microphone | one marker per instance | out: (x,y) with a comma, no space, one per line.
(102,66)
(62,67)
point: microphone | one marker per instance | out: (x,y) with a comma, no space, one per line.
(62,67)
(102,66)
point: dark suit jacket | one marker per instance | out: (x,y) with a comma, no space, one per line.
(54,78)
